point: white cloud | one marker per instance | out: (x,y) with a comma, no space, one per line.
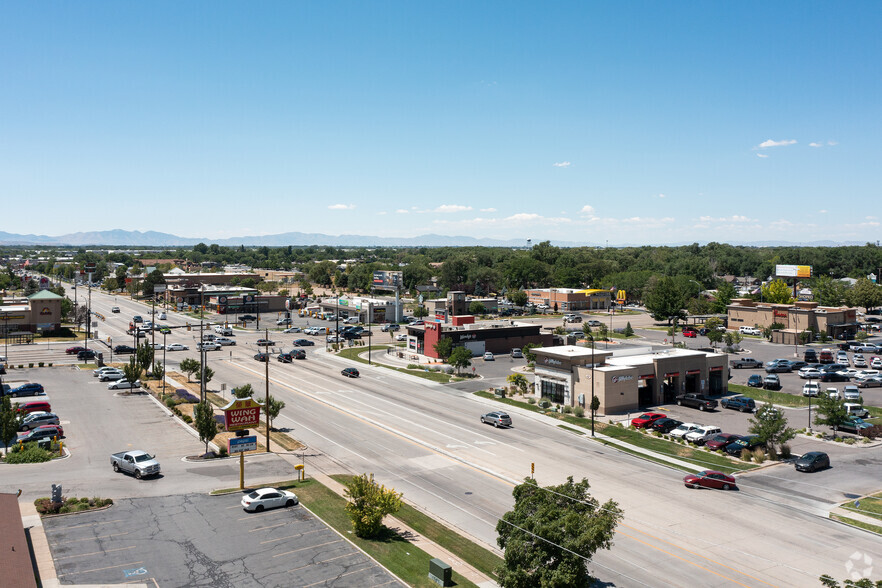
(562,164)
(823,211)
(735,218)
(815,144)
(402,211)
(587,209)
(488,210)
(771,143)
(763,155)
(446,208)
(382,212)
(660,196)
(341,206)
(832,143)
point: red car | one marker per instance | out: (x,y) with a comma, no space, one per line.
(710,479)
(34,406)
(74,350)
(646,419)
(721,440)
(690,334)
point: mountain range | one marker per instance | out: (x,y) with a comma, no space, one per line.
(122,238)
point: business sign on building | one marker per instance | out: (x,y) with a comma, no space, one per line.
(387,280)
(242,444)
(793,271)
(241,413)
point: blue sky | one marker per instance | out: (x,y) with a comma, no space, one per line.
(635,122)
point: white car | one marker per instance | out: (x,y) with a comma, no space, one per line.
(111,376)
(157,346)
(97,373)
(176,347)
(351,320)
(123,385)
(849,372)
(810,373)
(683,429)
(700,435)
(867,373)
(489,356)
(208,346)
(401,337)
(162,316)
(222,330)
(292,330)
(851,392)
(264,498)
(224,341)
(811,389)
(859,362)
(876,363)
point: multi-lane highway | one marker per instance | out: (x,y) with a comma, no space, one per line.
(426,440)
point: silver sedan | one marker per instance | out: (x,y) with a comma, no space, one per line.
(497,419)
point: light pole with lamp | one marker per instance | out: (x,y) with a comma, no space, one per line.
(163,364)
(266,397)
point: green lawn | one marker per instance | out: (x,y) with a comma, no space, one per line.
(859,524)
(870,506)
(780,398)
(403,559)
(354,353)
(480,558)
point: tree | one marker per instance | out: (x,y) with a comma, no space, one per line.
(444,347)
(725,294)
(518,297)
(552,533)
(518,381)
(272,409)
(770,425)
(206,426)
(158,370)
(132,370)
(460,358)
(243,391)
(829,582)
(528,351)
(828,292)
(714,336)
(665,301)
(477,308)
(144,356)
(368,503)
(207,372)
(420,311)
(629,331)
(864,293)
(777,292)
(831,412)
(10,421)
(595,404)
(189,366)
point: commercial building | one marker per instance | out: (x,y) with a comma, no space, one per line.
(836,321)
(479,338)
(38,312)
(366,310)
(209,279)
(570,375)
(568,299)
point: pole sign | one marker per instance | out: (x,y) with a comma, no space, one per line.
(241,413)
(242,444)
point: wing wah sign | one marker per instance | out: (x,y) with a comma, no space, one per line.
(241,413)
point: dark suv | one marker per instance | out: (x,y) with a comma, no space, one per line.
(749,442)
(30,389)
(123,349)
(86,354)
(811,356)
(742,403)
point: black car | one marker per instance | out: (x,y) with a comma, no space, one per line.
(39,433)
(265,343)
(810,356)
(123,349)
(742,403)
(772,382)
(665,425)
(30,389)
(834,377)
(350,372)
(749,442)
(292,355)
(797,365)
(247,317)
(812,461)
(755,381)
(262,357)
(86,354)
(303,343)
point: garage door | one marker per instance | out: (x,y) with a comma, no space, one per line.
(476,347)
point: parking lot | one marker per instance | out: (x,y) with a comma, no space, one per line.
(199,540)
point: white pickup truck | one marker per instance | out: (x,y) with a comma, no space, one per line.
(138,463)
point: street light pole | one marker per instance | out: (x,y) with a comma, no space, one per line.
(163,364)
(266,397)
(592,385)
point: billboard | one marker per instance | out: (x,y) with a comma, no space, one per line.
(387,280)
(793,271)
(241,413)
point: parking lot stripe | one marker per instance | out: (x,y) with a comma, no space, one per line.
(297,536)
(89,539)
(338,577)
(326,561)
(310,547)
(255,515)
(95,553)
(92,524)
(270,527)
(131,563)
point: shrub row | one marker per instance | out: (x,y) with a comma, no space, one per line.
(45,506)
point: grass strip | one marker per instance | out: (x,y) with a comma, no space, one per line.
(354,353)
(478,557)
(779,398)
(870,506)
(571,430)
(859,524)
(402,558)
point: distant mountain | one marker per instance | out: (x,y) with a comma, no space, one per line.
(121,238)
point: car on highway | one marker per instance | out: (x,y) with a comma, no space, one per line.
(247,317)
(740,403)
(137,319)
(74,350)
(264,498)
(208,346)
(303,343)
(29,389)
(124,385)
(162,316)
(812,461)
(43,432)
(225,341)
(156,346)
(488,356)
(123,349)
(265,343)
(86,354)
(111,375)
(38,419)
(497,419)
(262,356)
(680,432)
(755,381)
(176,347)
(114,309)
(594,323)
(749,442)
(646,419)
(720,440)
(665,425)
(287,357)
(283,321)
(350,372)
(292,330)
(709,479)
(224,330)
(772,382)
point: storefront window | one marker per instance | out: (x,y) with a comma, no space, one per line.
(553,391)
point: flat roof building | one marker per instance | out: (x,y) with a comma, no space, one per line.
(835,321)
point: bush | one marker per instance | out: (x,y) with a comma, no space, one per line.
(222,451)
(850,441)
(785,451)
(531,400)
(30,365)
(40,364)
(29,454)
(579,411)
(50,364)
(568,409)
(837,439)
(745,455)
(170,402)
(773,455)
(187,419)
(413,366)
(759,456)
(544,402)
(81,506)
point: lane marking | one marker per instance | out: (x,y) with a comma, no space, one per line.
(132,563)
(57,543)
(269,527)
(291,536)
(309,547)
(95,553)
(93,524)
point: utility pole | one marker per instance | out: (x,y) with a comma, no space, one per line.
(370,337)
(266,397)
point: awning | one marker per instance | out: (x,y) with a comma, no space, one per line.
(718,368)
(646,377)
(672,374)
(693,372)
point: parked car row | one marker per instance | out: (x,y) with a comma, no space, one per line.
(38,422)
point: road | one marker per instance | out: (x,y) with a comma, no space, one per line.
(426,440)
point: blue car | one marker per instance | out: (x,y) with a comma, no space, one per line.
(30,389)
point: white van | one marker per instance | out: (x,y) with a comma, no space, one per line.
(854,409)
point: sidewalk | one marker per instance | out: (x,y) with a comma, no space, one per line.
(844,512)
(430,547)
